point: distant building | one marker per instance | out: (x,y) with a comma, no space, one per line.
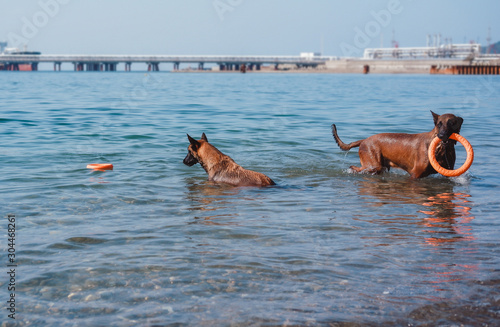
(309,55)
(452,51)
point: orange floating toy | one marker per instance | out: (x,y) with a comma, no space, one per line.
(106,166)
(447,172)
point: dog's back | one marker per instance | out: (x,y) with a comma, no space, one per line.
(232,173)
(220,167)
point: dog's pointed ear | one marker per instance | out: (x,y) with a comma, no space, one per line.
(435,116)
(193,142)
(204,137)
(460,122)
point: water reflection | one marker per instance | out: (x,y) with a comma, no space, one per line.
(447,213)
(448,218)
(380,191)
(433,208)
(448,223)
(441,275)
(209,201)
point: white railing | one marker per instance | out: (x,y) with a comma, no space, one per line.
(453,51)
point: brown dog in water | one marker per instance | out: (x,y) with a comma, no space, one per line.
(406,151)
(221,168)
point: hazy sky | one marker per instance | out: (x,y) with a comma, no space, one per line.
(224,27)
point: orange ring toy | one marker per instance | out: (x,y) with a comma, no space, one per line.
(106,166)
(447,172)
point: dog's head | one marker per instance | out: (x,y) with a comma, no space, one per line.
(446,125)
(192,157)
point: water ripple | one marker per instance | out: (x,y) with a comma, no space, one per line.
(152,242)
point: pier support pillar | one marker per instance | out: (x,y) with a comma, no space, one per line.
(200,66)
(92,67)
(153,67)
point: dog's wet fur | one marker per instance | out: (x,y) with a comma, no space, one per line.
(220,167)
(380,152)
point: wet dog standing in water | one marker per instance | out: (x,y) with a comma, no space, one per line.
(380,152)
(220,167)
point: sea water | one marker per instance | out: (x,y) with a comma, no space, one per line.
(152,242)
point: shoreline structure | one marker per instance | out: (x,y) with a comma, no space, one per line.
(360,66)
(456,59)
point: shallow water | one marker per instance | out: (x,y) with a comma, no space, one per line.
(153,243)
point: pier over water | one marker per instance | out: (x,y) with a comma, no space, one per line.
(452,59)
(110,62)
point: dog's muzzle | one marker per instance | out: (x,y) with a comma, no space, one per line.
(190,160)
(444,136)
(448,128)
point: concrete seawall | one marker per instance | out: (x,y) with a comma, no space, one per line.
(389,66)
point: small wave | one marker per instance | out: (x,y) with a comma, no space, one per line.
(85,240)
(137,137)
(462,179)
(63,246)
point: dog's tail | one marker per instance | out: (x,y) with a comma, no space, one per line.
(341,144)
